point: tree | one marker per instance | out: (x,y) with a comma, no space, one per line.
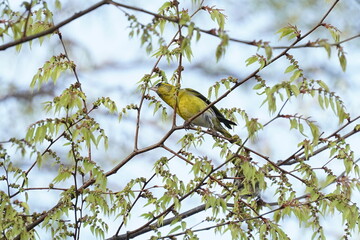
(93,164)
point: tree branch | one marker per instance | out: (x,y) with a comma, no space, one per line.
(166,222)
(211,32)
(55,27)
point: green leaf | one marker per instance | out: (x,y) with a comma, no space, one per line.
(210,92)
(301,129)
(329,179)
(289,31)
(268,52)
(174,230)
(186,48)
(258,86)
(295,90)
(221,48)
(64,175)
(295,75)
(335,34)
(262,63)
(165,6)
(190,29)
(326,46)
(342,60)
(251,60)
(184,18)
(315,132)
(321,101)
(323,85)
(216,89)
(326,101)
(198,35)
(290,68)
(217,16)
(162,23)
(58,4)
(293,123)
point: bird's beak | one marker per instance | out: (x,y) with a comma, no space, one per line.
(154,88)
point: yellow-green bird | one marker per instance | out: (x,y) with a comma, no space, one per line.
(190,103)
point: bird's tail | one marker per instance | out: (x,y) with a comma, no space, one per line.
(223,131)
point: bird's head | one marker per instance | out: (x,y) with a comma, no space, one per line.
(163,89)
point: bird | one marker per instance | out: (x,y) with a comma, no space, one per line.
(189,103)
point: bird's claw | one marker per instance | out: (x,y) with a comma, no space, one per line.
(214,133)
(188,125)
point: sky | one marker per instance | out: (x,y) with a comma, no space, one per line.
(109,63)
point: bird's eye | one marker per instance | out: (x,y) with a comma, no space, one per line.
(158,85)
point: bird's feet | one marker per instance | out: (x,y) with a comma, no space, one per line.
(187,125)
(214,133)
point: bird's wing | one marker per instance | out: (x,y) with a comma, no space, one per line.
(218,114)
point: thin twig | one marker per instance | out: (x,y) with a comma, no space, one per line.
(239,83)
(293,158)
(54,28)
(170,19)
(167,135)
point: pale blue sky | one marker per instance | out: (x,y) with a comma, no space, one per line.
(110,64)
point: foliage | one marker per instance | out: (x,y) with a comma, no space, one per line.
(306,186)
